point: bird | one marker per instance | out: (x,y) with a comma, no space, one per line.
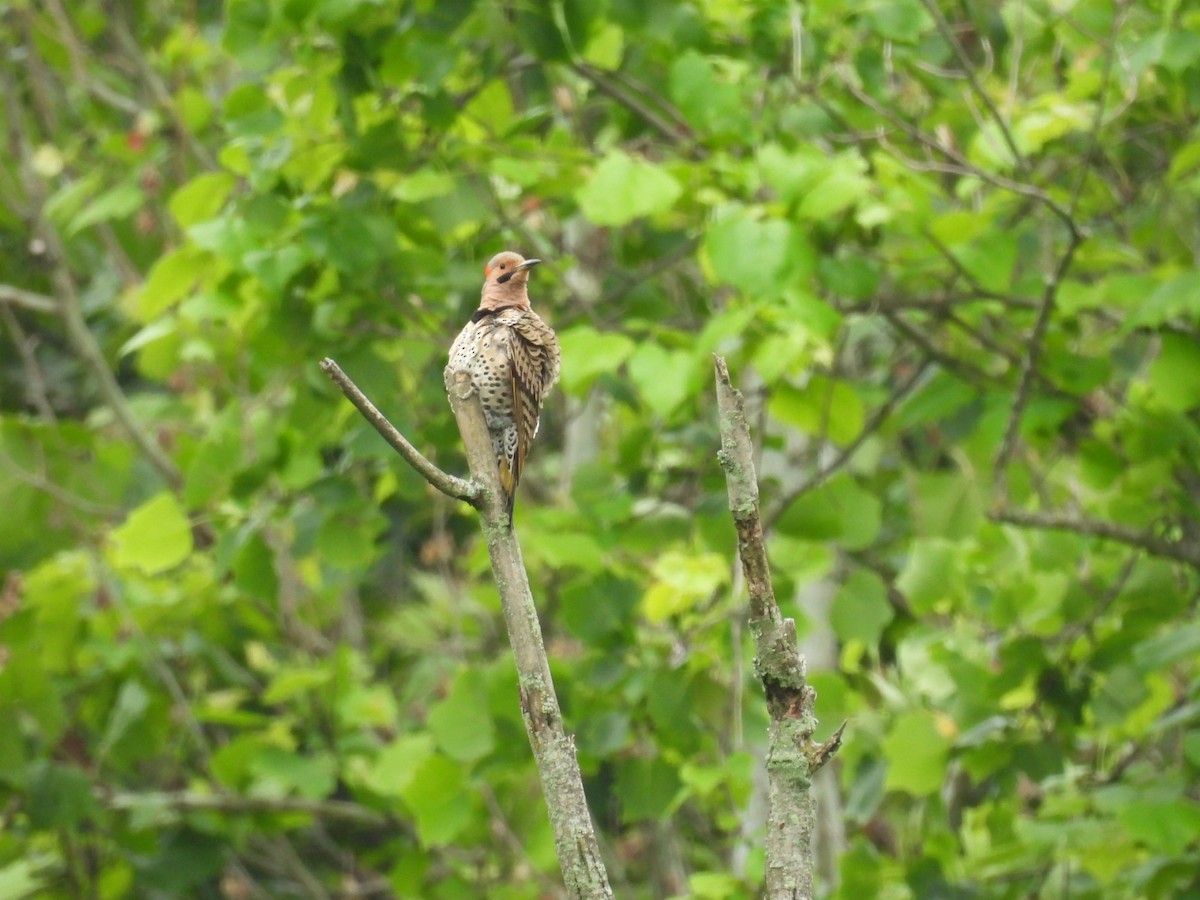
(513,358)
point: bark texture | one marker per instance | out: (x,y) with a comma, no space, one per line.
(583,870)
(553,749)
(792,755)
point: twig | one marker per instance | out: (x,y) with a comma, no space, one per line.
(1098,120)
(961,165)
(68,306)
(184,801)
(159,91)
(30,300)
(674,133)
(792,755)
(969,71)
(61,494)
(450,485)
(1029,369)
(847,453)
(1178,550)
(38,393)
(575,840)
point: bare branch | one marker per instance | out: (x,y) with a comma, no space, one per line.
(450,485)
(676,133)
(185,801)
(969,71)
(1166,548)
(792,755)
(1029,370)
(86,347)
(30,300)
(959,164)
(553,749)
(844,456)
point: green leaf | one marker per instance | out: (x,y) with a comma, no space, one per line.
(115,203)
(293,681)
(682,580)
(589,353)
(1174,297)
(1165,827)
(947,504)
(397,764)
(647,788)
(280,773)
(842,186)
(156,537)
(861,609)
(821,408)
(930,575)
(132,703)
(900,20)
(461,723)
(26,877)
(623,189)
(201,198)
(661,377)
(440,800)
(1174,375)
(1179,642)
(59,796)
(916,753)
(173,277)
(756,256)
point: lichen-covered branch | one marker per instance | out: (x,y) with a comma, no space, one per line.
(450,485)
(792,754)
(554,750)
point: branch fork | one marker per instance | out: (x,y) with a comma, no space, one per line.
(553,749)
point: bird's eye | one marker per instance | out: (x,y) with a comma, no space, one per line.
(502,265)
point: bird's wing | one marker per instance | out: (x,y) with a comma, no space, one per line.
(534,355)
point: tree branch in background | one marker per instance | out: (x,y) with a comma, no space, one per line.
(844,456)
(30,300)
(1179,550)
(67,305)
(185,802)
(553,749)
(792,755)
(450,485)
(968,71)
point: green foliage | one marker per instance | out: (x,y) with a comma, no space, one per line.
(963,308)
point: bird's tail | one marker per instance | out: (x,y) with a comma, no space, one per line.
(508,486)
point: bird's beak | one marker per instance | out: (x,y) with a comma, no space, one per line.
(528,264)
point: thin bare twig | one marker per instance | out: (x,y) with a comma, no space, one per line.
(844,456)
(450,485)
(792,755)
(961,165)
(38,392)
(31,300)
(1029,370)
(676,134)
(185,801)
(1166,548)
(575,841)
(86,347)
(968,68)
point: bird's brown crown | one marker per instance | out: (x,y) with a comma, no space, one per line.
(505,266)
(504,281)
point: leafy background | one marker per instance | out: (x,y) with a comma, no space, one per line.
(951,252)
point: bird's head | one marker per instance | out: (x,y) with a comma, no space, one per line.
(508,267)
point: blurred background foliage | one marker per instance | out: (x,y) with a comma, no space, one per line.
(952,252)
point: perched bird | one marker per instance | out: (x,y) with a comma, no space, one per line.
(513,358)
